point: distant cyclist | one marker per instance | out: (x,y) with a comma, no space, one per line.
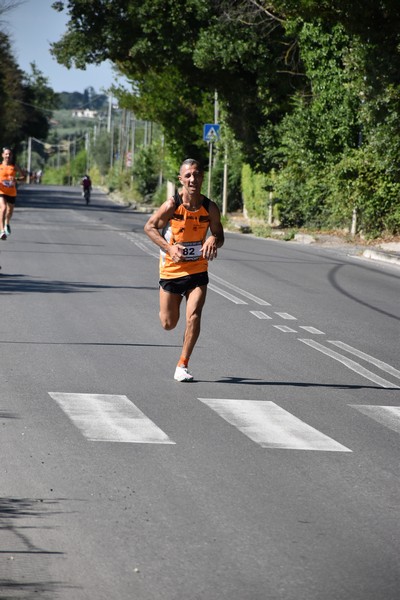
(87,187)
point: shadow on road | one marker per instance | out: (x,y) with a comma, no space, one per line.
(22,557)
(261,382)
(18,283)
(65,198)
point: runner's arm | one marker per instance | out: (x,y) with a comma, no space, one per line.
(157,222)
(216,239)
(19,173)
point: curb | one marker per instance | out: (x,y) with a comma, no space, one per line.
(394,259)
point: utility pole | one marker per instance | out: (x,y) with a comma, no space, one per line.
(29,159)
(68,160)
(209,168)
(225,183)
(87,147)
(210,160)
(112,146)
(133,134)
(109,113)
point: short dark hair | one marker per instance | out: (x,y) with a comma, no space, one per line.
(192,161)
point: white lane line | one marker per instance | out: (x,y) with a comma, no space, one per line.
(389,416)
(350,364)
(285,329)
(286,316)
(374,361)
(239,290)
(227,295)
(141,242)
(312,330)
(260,314)
(110,418)
(143,245)
(271,426)
(138,241)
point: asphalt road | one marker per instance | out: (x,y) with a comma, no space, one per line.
(275,476)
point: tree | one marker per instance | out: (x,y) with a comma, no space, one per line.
(26,100)
(302,83)
(39,102)
(11,95)
(176,53)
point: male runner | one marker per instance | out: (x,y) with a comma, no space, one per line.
(185,250)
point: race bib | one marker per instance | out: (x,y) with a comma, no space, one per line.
(8,183)
(192,250)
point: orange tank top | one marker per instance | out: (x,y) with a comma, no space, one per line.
(7,180)
(188,228)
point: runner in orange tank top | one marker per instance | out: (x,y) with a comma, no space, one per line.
(179,227)
(8,191)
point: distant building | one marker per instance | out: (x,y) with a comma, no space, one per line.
(84,113)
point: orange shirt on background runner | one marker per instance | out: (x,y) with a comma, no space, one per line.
(7,180)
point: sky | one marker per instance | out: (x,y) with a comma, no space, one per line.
(32,26)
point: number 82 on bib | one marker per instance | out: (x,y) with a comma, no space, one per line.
(192,250)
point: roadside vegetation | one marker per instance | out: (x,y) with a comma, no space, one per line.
(306,93)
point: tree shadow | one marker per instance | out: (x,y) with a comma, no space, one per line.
(19,283)
(94,344)
(8,415)
(12,511)
(56,198)
(333,279)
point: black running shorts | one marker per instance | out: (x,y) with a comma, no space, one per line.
(181,285)
(10,199)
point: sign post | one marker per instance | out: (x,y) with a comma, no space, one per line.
(211,134)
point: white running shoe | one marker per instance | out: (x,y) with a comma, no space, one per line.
(3,235)
(182,374)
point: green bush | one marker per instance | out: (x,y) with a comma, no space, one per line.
(234,174)
(255,194)
(160,195)
(146,170)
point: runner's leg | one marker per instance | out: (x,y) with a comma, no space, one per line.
(3,208)
(195,300)
(9,212)
(169,309)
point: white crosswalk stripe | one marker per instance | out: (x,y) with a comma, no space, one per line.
(389,416)
(114,418)
(271,426)
(110,418)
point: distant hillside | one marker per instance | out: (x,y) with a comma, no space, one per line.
(88,99)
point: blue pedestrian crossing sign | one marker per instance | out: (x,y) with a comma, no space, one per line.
(211,132)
